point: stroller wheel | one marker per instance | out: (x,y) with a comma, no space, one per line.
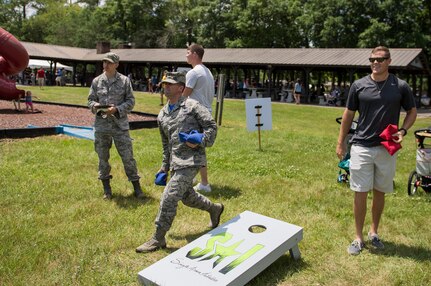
(414,181)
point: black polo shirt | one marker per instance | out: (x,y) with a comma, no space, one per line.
(378,104)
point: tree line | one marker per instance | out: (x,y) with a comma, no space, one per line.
(221,23)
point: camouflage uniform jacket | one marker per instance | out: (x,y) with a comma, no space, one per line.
(187,115)
(119,93)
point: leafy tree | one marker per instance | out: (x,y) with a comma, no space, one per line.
(395,24)
(215,23)
(12,14)
(138,22)
(265,23)
(94,23)
(221,23)
(332,23)
(181,22)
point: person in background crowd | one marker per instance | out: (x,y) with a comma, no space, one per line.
(150,85)
(298,91)
(59,77)
(40,77)
(161,87)
(154,83)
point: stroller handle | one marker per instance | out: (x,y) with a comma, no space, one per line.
(422,133)
(352,128)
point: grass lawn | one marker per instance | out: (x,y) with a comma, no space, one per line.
(57,230)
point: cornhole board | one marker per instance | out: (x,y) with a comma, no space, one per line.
(231,254)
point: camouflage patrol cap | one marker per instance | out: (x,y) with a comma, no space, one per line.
(111,57)
(175,77)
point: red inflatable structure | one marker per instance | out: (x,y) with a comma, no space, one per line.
(13,59)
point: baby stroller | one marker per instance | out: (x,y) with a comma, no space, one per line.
(421,177)
(344,164)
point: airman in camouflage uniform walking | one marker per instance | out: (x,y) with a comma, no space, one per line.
(111,99)
(183,155)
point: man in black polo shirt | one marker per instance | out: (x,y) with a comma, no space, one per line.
(378,98)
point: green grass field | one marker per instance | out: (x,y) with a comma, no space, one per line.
(57,230)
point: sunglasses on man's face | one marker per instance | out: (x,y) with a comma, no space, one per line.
(379,60)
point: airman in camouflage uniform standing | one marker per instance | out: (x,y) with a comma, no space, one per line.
(111,99)
(183,159)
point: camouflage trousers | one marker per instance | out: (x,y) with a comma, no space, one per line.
(179,188)
(123,143)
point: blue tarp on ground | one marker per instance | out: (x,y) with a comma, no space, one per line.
(83,132)
(78,131)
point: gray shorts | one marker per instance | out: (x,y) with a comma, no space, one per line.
(372,168)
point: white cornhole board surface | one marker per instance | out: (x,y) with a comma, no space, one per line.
(228,255)
(265,111)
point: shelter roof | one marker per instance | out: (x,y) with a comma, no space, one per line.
(412,59)
(54,52)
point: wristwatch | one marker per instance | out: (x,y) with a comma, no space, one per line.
(403,129)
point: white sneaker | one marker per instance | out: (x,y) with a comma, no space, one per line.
(202,188)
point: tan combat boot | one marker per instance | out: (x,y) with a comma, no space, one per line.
(215,213)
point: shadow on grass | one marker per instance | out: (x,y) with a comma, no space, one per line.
(130,202)
(223,192)
(192,236)
(280,270)
(188,237)
(405,251)
(169,250)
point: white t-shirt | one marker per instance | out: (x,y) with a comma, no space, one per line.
(201,80)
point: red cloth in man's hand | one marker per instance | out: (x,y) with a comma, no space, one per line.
(388,143)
